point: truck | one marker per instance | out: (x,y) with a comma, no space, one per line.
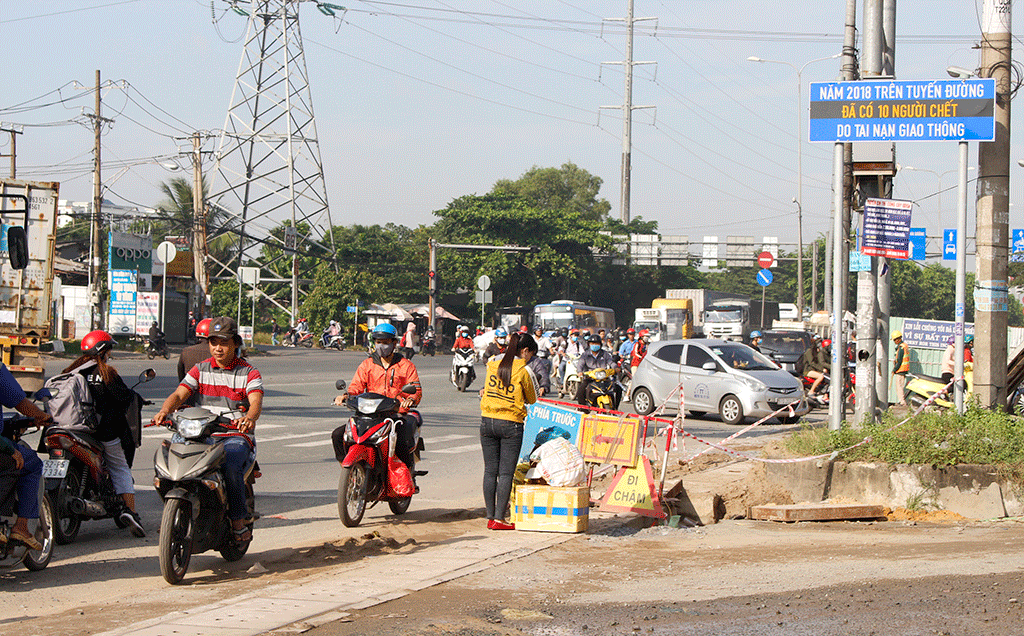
(666,319)
(28,210)
(701,299)
(735,319)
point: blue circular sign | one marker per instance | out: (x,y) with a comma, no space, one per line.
(764,277)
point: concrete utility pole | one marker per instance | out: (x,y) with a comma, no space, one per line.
(96,300)
(14,130)
(993,205)
(199,223)
(842,184)
(884,271)
(627,109)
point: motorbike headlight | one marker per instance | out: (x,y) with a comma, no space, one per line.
(191,429)
(600,375)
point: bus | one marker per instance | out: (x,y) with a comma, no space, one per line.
(573,315)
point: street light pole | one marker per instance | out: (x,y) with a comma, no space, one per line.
(799,167)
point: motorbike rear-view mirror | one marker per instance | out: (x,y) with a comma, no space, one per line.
(409,388)
(147,375)
(340,385)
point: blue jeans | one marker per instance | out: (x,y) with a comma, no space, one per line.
(239,455)
(28,483)
(500,441)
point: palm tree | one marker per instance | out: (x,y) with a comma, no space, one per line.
(176,218)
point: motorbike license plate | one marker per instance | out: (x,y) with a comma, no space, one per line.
(55,468)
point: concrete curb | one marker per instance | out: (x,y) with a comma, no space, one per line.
(296,607)
(974,491)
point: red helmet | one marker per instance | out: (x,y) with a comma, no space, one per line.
(826,342)
(96,342)
(524,329)
(630,330)
(645,332)
(203,328)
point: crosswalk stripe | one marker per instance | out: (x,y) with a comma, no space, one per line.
(322,442)
(448,438)
(456,449)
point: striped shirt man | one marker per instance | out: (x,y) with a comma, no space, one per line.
(226,387)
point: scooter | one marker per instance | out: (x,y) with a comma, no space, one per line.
(604,391)
(190,479)
(920,388)
(154,349)
(78,484)
(13,553)
(328,341)
(371,472)
(571,382)
(463,372)
(429,345)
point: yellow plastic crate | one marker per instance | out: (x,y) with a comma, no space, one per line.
(550,509)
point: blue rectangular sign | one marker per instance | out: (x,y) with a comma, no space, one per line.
(539,416)
(949,245)
(918,243)
(916,110)
(1017,246)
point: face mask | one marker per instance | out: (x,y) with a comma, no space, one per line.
(384,349)
(501,342)
(622,338)
(574,338)
(595,347)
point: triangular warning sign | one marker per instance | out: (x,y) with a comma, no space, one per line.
(632,490)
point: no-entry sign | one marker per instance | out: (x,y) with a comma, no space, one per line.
(765,259)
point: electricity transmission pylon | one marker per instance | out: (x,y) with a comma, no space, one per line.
(268,166)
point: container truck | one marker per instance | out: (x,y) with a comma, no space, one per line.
(701,299)
(29,214)
(666,319)
(735,319)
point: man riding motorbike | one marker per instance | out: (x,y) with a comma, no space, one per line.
(462,339)
(385,372)
(156,337)
(814,365)
(639,351)
(595,357)
(225,380)
(573,350)
(26,462)
(498,345)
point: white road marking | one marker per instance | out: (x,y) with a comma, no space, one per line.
(447,438)
(450,451)
(323,442)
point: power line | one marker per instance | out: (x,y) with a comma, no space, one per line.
(66,11)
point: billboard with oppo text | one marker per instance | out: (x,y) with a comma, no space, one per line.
(130,251)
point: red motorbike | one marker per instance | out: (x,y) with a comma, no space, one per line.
(371,472)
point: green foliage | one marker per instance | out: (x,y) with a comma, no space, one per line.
(333,291)
(224,298)
(561,266)
(568,188)
(980,436)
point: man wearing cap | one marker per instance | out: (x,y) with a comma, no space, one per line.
(900,367)
(593,357)
(227,381)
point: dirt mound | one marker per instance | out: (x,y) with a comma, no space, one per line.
(350,549)
(928,516)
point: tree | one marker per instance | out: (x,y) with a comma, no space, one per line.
(175,217)
(569,188)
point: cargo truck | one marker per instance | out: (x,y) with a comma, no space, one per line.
(666,319)
(735,319)
(29,213)
(701,299)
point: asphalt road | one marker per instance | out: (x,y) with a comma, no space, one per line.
(296,495)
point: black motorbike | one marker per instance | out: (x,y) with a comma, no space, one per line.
(78,484)
(13,553)
(157,348)
(190,479)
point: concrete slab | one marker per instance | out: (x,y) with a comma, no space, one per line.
(816,512)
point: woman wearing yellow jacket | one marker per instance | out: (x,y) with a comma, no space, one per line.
(509,387)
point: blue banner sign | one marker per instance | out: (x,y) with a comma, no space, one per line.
(1017,246)
(930,334)
(918,243)
(917,110)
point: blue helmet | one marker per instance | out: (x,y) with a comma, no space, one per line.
(755,334)
(968,339)
(500,333)
(384,331)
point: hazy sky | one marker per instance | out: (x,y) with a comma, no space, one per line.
(423,101)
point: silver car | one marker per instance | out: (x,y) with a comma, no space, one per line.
(716,376)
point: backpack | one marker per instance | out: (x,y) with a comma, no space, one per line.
(70,402)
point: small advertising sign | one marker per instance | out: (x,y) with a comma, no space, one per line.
(123,288)
(930,334)
(147,310)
